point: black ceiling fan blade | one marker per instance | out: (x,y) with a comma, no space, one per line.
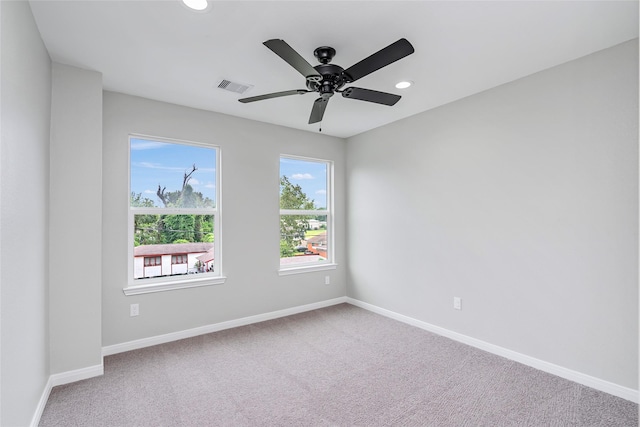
(371,95)
(317,112)
(381,58)
(274,95)
(293,58)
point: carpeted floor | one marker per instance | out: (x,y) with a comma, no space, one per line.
(337,366)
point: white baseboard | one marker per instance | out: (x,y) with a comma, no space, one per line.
(76,375)
(575,376)
(35,420)
(174,336)
(60,379)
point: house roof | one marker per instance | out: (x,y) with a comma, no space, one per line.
(170,249)
(318,238)
(206,257)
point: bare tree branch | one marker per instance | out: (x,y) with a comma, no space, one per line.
(187,177)
(161,195)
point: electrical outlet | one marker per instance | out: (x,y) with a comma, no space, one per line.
(134,310)
(327,280)
(457,303)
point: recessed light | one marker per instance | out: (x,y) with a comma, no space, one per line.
(404,84)
(199,5)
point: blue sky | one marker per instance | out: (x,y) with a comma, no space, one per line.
(311,176)
(154,163)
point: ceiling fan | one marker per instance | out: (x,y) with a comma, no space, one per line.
(327,79)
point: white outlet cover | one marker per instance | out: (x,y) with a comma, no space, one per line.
(134,310)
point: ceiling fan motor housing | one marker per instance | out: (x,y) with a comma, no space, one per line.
(332,79)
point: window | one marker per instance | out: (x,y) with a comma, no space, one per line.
(179,259)
(174,215)
(306,214)
(152,261)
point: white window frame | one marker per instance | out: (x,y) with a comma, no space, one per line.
(159,284)
(329,264)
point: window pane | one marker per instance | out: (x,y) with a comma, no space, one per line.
(172,175)
(303,239)
(303,184)
(170,245)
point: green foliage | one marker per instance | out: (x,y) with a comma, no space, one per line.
(175,228)
(286,250)
(137,201)
(197,228)
(292,227)
(145,226)
(187,198)
(187,228)
(292,197)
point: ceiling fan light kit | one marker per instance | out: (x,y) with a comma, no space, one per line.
(327,79)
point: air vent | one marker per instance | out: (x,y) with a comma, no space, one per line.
(234,86)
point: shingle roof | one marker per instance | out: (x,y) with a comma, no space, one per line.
(206,257)
(318,238)
(170,249)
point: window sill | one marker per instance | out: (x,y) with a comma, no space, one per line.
(173,285)
(306,269)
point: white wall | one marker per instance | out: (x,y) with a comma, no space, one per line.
(250,153)
(75,219)
(523,201)
(24,203)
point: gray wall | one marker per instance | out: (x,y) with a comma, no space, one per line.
(250,154)
(522,200)
(24,206)
(75,215)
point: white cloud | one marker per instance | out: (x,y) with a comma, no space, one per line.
(301,176)
(210,185)
(149,192)
(146,145)
(150,165)
(194,181)
(321,192)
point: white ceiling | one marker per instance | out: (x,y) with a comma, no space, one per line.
(162,50)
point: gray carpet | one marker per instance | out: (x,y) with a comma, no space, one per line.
(337,366)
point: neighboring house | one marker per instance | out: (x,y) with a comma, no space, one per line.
(171,259)
(314,224)
(206,261)
(318,244)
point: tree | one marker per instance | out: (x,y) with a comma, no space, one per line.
(197,228)
(185,197)
(175,228)
(145,226)
(292,227)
